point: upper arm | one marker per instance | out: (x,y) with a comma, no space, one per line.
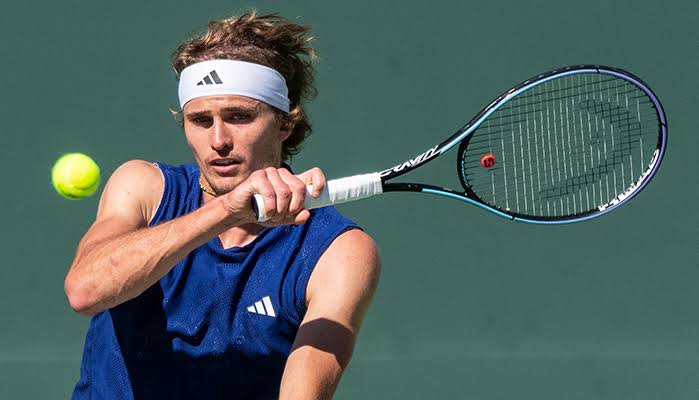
(338,295)
(344,280)
(128,202)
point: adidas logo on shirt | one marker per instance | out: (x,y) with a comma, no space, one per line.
(210,79)
(263,307)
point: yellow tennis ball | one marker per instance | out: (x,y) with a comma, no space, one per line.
(75,176)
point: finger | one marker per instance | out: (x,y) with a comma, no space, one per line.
(261,184)
(283,193)
(298,190)
(316,178)
(302,217)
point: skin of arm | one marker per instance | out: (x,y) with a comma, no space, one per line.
(338,295)
(120,256)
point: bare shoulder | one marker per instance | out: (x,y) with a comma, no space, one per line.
(346,276)
(128,202)
(134,189)
(355,247)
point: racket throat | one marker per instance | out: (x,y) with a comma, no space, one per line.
(410,164)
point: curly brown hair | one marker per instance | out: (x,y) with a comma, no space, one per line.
(269,40)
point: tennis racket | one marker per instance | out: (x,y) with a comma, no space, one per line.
(564,146)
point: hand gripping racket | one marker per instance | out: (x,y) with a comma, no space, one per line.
(564,146)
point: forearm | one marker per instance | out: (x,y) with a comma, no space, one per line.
(110,272)
(310,374)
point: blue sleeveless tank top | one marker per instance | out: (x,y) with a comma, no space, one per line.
(220,324)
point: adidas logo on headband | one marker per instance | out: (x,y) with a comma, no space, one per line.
(207,80)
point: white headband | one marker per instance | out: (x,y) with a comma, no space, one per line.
(231,77)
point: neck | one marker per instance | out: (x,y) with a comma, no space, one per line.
(239,236)
(206,189)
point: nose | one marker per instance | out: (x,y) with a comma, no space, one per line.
(221,139)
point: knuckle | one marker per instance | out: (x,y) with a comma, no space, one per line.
(268,192)
(299,187)
(285,193)
(257,176)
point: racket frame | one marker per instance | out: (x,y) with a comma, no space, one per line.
(462,136)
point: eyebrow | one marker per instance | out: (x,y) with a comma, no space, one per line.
(233,109)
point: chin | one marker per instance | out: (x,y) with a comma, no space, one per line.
(227,180)
(225,184)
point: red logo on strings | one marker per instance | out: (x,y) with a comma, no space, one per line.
(488,160)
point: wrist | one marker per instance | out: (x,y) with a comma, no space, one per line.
(231,216)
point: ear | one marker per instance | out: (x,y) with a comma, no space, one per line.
(284,133)
(285,128)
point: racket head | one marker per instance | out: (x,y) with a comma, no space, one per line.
(577,142)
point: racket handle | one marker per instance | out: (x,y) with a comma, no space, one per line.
(336,191)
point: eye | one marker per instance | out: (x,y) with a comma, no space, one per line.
(201,120)
(240,117)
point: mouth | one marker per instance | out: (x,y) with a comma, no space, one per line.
(225,166)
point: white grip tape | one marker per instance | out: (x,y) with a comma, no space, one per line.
(336,191)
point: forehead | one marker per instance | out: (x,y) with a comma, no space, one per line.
(219,102)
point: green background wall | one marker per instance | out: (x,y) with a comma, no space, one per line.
(470,306)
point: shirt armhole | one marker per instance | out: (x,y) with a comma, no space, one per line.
(161,204)
(305,275)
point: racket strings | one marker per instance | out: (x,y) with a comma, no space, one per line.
(616,119)
(540,99)
(564,147)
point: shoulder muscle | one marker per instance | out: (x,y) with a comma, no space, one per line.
(134,188)
(129,200)
(345,278)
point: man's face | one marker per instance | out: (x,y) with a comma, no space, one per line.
(232,136)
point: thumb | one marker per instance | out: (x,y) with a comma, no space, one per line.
(302,217)
(314,179)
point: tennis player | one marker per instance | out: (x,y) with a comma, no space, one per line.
(190,296)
